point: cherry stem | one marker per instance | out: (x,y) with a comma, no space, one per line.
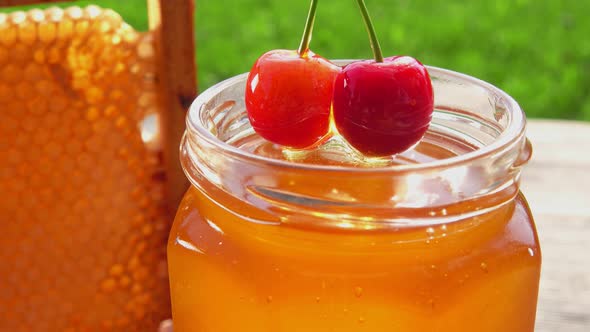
(372,35)
(306,39)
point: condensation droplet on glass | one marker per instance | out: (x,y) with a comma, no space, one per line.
(444,212)
(358,291)
(431,303)
(430,230)
(317,299)
(361,319)
(443,228)
(484,267)
(531,252)
(269,299)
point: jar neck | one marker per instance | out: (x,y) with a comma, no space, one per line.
(474,182)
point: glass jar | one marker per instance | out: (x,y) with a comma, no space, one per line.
(437,238)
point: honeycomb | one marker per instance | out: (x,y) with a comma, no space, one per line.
(82,212)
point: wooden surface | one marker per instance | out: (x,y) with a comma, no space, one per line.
(172,22)
(556,183)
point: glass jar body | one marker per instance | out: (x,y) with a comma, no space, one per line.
(447,243)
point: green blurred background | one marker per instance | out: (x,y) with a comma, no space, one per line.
(536,50)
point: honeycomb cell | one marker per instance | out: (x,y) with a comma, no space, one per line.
(9,32)
(11,74)
(94,95)
(108,285)
(92,12)
(36,16)
(18,17)
(14,156)
(24,90)
(39,56)
(81,28)
(20,53)
(27,125)
(27,32)
(40,137)
(45,88)
(33,72)
(74,13)
(51,121)
(47,32)
(53,150)
(5,93)
(65,29)
(54,55)
(111,111)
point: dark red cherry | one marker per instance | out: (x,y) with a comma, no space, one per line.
(383,108)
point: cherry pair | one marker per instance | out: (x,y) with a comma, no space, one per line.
(381,106)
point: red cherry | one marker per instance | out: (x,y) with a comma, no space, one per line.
(383,108)
(288,97)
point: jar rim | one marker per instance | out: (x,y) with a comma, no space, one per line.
(511,133)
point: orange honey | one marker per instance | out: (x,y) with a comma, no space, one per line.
(82,214)
(438,238)
(457,277)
